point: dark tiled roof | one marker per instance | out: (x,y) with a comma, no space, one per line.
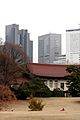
(48,70)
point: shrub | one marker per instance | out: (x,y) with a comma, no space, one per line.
(38,88)
(35,105)
(6,94)
(22,92)
(57,93)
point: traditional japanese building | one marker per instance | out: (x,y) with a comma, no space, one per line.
(53,74)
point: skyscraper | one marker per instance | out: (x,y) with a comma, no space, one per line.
(24,40)
(49,47)
(26,44)
(20,37)
(31,50)
(12,34)
(73,46)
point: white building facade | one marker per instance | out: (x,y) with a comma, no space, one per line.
(73,46)
(54,84)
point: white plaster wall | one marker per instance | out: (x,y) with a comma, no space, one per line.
(58,84)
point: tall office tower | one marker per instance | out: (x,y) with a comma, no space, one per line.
(49,47)
(12,34)
(73,46)
(21,37)
(31,50)
(25,43)
(24,40)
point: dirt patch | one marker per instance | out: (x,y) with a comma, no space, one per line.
(18,110)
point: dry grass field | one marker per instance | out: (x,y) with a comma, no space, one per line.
(51,111)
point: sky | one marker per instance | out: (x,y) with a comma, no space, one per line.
(40,17)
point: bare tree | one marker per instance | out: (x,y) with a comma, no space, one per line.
(12,62)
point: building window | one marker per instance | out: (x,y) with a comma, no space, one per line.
(55,84)
(62,86)
(50,83)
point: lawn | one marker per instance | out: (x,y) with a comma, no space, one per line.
(18,110)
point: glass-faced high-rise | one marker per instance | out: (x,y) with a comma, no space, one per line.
(20,37)
(24,40)
(49,47)
(26,43)
(12,34)
(73,46)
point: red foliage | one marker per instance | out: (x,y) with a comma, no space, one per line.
(6,94)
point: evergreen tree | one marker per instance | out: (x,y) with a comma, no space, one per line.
(38,88)
(73,78)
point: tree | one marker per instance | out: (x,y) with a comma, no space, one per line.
(6,94)
(22,92)
(73,80)
(12,60)
(34,87)
(38,88)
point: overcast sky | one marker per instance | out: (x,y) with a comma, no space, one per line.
(40,17)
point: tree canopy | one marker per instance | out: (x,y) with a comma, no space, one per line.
(73,80)
(12,60)
(38,88)
(34,87)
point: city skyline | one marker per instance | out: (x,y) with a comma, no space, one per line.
(40,17)
(21,37)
